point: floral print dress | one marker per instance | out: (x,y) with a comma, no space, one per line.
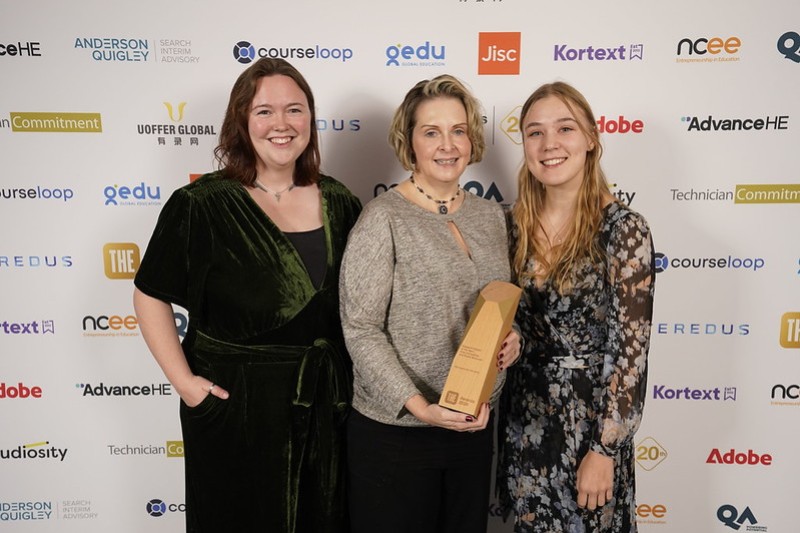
(580,385)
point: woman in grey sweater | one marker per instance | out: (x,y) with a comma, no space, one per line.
(414,264)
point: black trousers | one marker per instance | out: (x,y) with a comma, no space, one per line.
(417,480)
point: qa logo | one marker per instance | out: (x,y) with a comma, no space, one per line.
(731,517)
(789,45)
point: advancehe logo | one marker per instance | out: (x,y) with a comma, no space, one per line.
(56,122)
(499,53)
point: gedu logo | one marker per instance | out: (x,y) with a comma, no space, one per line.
(423,55)
(499,53)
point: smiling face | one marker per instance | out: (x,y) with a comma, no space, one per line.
(440,141)
(555,146)
(279,123)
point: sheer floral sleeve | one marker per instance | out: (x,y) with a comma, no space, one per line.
(631,284)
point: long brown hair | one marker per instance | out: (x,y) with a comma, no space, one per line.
(235,154)
(560,262)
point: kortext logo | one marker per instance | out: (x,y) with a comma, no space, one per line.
(499,53)
(662,392)
(120,260)
(27,328)
(562,52)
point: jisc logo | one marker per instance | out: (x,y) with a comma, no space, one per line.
(499,53)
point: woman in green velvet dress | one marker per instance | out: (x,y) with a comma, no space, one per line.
(252,251)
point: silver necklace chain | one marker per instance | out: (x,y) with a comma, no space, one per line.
(276,194)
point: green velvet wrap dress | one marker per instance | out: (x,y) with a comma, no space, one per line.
(270,457)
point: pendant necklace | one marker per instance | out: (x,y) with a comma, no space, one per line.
(557,238)
(442,203)
(277,194)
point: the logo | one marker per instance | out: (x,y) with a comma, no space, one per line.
(747,263)
(732,457)
(698,328)
(662,392)
(785,394)
(499,53)
(136,195)
(172,448)
(34,450)
(156,507)
(35,261)
(788,45)
(101,389)
(244,52)
(619,125)
(650,454)
(25,510)
(768,194)
(708,49)
(734,519)
(176,51)
(115,49)
(20,390)
(29,49)
(120,260)
(416,55)
(36,193)
(56,122)
(651,514)
(790,330)
(695,123)
(561,52)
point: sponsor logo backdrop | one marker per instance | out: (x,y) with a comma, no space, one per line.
(105,112)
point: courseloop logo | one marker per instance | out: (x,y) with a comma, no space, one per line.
(713,263)
(790,330)
(34,451)
(663,392)
(245,52)
(734,518)
(499,53)
(36,192)
(172,449)
(565,52)
(140,194)
(708,49)
(120,49)
(789,45)
(759,124)
(416,55)
(157,507)
(120,260)
(21,49)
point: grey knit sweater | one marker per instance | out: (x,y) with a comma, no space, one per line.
(406,291)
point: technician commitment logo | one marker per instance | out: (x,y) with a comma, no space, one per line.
(499,53)
(56,122)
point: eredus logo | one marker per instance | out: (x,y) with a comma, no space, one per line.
(788,46)
(732,457)
(561,52)
(499,53)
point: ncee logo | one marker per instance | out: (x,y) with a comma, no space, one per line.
(720,49)
(739,458)
(499,53)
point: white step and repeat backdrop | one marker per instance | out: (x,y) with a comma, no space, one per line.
(108,107)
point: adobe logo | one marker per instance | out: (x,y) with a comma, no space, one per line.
(499,53)
(19,391)
(619,125)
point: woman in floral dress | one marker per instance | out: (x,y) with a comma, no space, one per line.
(574,399)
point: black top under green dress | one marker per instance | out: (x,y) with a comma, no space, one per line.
(269,458)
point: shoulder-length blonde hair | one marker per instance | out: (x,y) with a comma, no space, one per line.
(580,241)
(404,120)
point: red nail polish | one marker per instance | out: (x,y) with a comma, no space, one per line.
(470,419)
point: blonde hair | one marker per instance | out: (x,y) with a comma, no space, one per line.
(561,261)
(404,120)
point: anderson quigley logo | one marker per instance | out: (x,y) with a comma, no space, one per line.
(245,52)
(728,262)
(565,52)
(38,122)
(415,55)
(114,48)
